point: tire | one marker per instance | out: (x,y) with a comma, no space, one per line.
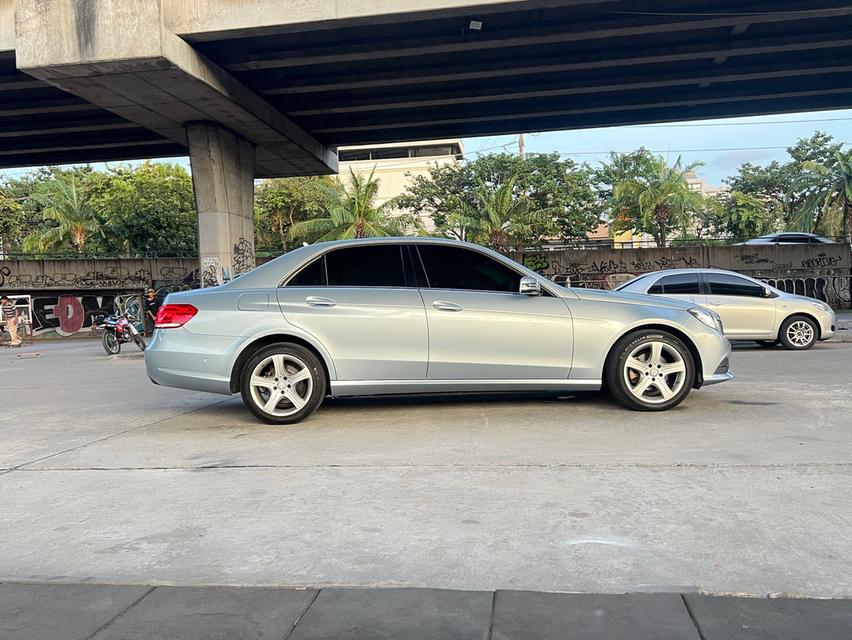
(140,342)
(767,344)
(633,363)
(296,363)
(798,333)
(110,343)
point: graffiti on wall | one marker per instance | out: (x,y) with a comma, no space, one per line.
(834,290)
(103,278)
(67,313)
(243,260)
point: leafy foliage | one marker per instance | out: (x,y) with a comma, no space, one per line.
(67,208)
(656,199)
(148,209)
(353,213)
(281,203)
(544,182)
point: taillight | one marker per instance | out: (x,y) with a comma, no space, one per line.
(171,316)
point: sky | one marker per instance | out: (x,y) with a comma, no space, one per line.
(722,145)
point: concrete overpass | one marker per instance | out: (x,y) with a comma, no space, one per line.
(257,88)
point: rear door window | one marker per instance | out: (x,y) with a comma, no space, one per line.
(366,266)
(677,284)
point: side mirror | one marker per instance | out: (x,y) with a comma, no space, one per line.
(530,286)
(767,292)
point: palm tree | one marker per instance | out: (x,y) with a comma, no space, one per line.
(657,199)
(353,214)
(827,203)
(68,206)
(500,217)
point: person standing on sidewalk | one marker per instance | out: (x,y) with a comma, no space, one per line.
(10,316)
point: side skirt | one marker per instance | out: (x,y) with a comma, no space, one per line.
(405,387)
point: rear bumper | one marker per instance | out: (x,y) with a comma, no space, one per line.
(177,358)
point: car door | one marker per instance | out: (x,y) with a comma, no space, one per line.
(681,286)
(742,304)
(482,328)
(362,304)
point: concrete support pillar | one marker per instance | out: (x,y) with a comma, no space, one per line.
(223,181)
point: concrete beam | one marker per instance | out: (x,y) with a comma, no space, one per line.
(619,27)
(118,55)
(201,20)
(274,84)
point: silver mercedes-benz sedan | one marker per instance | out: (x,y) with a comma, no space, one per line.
(750,309)
(416,315)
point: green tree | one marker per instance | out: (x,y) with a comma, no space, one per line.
(826,189)
(786,198)
(501,217)
(544,181)
(149,208)
(281,203)
(67,208)
(12,221)
(745,216)
(353,213)
(656,200)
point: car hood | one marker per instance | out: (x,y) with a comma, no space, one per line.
(599,295)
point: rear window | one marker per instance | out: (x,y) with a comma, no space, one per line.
(371,266)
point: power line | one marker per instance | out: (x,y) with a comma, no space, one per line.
(603,153)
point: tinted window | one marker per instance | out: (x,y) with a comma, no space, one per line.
(725,285)
(312,275)
(681,283)
(455,268)
(374,266)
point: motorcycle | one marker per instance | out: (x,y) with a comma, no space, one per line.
(118,329)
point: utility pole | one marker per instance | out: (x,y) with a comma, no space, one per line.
(521,146)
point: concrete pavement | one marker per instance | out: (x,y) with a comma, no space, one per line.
(745,488)
(101,612)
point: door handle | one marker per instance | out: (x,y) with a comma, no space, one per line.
(319,301)
(441,305)
(715,304)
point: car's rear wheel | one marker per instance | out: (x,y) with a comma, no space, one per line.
(798,333)
(282,383)
(650,371)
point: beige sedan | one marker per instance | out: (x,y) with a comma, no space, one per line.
(750,309)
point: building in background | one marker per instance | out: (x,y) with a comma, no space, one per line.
(397,165)
(698,184)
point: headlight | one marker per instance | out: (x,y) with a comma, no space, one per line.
(821,306)
(708,317)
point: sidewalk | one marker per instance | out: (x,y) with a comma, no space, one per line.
(844,326)
(101,612)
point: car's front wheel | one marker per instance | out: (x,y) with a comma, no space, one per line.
(650,371)
(798,333)
(282,383)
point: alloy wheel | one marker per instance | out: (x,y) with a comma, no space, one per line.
(281,384)
(800,333)
(654,372)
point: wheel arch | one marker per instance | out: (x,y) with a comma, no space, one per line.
(678,333)
(252,347)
